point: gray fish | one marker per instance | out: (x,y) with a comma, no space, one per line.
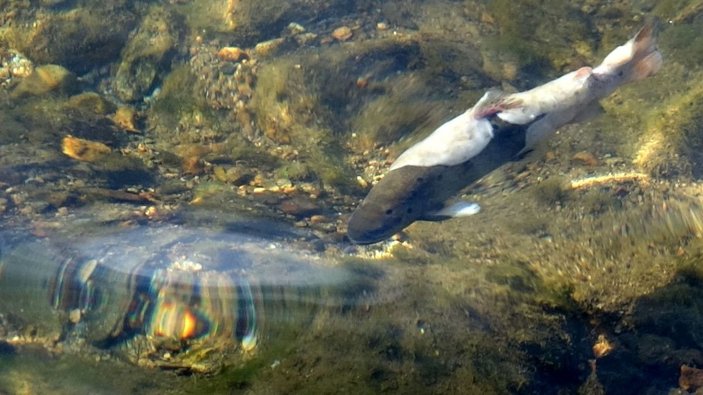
(412,193)
(499,128)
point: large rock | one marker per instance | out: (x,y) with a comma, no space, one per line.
(79,40)
(147,53)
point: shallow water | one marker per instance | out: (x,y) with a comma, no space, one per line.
(173,214)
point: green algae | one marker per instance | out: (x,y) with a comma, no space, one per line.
(684,43)
(289,112)
(554,26)
(78,39)
(179,97)
(668,9)
(91,102)
(552,191)
(46,79)
(145,55)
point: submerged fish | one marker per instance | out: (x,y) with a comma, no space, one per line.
(499,128)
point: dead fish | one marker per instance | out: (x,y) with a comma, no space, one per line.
(574,97)
(500,128)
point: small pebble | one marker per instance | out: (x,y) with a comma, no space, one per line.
(268,47)
(232,54)
(74,316)
(84,150)
(585,158)
(342,33)
(317,219)
(296,28)
(126,118)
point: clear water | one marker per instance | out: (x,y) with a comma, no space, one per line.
(173,217)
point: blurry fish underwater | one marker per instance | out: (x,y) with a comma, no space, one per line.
(499,128)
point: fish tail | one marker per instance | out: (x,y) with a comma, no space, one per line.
(647,66)
(646,59)
(638,58)
(644,42)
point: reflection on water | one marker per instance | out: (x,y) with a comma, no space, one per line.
(176,179)
(162,296)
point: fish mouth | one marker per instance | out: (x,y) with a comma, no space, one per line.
(360,235)
(360,229)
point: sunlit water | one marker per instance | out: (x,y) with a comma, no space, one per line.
(172,215)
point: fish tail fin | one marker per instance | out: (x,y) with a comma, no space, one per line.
(638,58)
(645,41)
(646,67)
(647,60)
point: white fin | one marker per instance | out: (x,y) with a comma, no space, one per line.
(458,209)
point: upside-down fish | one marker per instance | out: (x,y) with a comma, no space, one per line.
(499,128)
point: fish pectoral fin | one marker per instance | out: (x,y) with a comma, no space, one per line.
(458,209)
(522,154)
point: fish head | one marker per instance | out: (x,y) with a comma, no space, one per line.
(403,196)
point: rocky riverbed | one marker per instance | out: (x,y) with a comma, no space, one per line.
(271,121)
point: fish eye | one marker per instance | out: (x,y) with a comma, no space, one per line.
(409,210)
(420,179)
(389,211)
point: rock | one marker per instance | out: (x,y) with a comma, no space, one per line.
(585,158)
(602,347)
(84,150)
(239,175)
(342,33)
(146,54)
(318,219)
(74,316)
(690,379)
(91,102)
(79,39)
(250,21)
(120,171)
(269,47)
(232,54)
(192,165)
(126,119)
(13,65)
(299,206)
(296,28)
(45,79)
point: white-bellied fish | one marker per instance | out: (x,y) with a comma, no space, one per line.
(498,129)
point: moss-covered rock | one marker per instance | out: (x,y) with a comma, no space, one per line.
(557,38)
(46,79)
(147,54)
(180,97)
(246,22)
(91,102)
(79,39)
